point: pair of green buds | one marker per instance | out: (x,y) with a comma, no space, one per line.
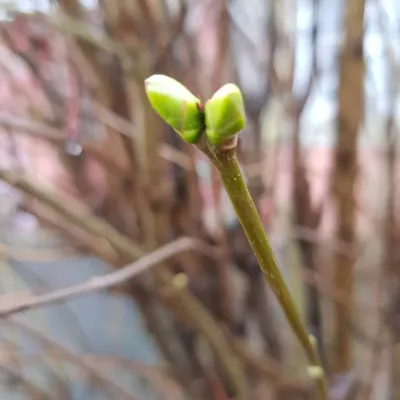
(222,116)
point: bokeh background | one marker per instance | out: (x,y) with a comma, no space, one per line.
(91,180)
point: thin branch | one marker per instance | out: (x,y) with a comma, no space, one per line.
(79,238)
(312,236)
(154,375)
(73,211)
(14,379)
(25,254)
(157,376)
(73,359)
(268,368)
(52,95)
(115,278)
(95,225)
(107,117)
(95,37)
(302,101)
(335,293)
(166,40)
(181,300)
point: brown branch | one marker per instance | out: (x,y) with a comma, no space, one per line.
(114,278)
(14,379)
(81,239)
(158,376)
(73,211)
(268,368)
(52,95)
(58,138)
(306,215)
(121,276)
(389,276)
(119,124)
(25,254)
(72,358)
(302,101)
(101,229)
(74,26)
(350,117)
(179,299)
(155,375)
(166,40)
(335,293)
(311,235)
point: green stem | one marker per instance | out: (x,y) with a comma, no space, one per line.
(225,161)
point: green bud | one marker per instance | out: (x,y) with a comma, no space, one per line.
(224,114)
(176,105)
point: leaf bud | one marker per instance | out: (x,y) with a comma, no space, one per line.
(176,105)
(224,114)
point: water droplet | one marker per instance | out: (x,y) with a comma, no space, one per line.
(73,148)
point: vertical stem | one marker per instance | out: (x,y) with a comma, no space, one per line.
(350,117)
(225,161)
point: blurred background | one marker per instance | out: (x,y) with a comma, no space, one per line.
(91,180)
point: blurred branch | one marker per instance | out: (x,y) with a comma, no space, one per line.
(235,24)
(390,276)
(92,35)
(33,278)
(302,101)
(181,299)
(14,379)
(312,236)
(91,224)
(115,278)
(273,81)
(71,210)
(58,137)
(349,119)
(72,358)
(166,41)
(155,375)
(53,96)
(25,254)
(158,376)
(81,239)
(335,293)
(306,215)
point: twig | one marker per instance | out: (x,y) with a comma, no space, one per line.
(115,278)
(128,250)
(14,379)
(155,375)
(332,291)
(25,254)
(73,211)
(350,116)
(312,236)
(266,367)
(107,117)
(72,358)
(225,162)
(78,28)
(81,239)
(52,95)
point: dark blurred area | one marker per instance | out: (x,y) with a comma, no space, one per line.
(92,181)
